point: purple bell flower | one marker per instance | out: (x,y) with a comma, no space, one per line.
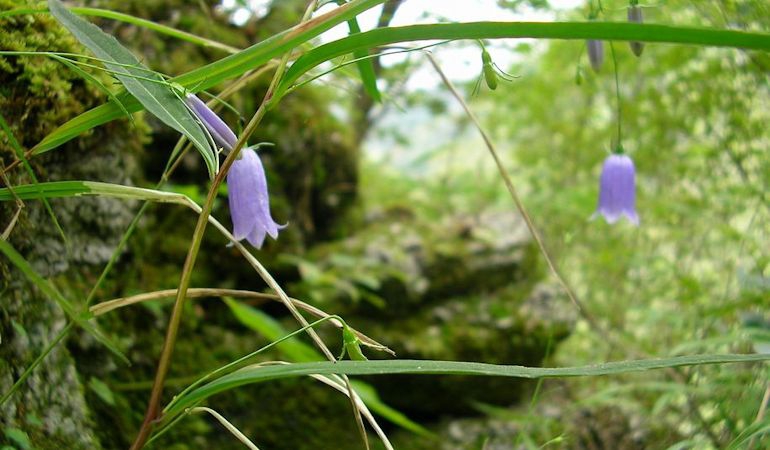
(218,129)
(249,200)
(246,181)
(617,190)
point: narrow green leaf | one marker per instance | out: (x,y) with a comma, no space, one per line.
(19,437)
(58,189)
(268,327)
(299,351)
(258,54)
(212,74)
(51,292)
(155,96)
(508,30)
(753,431)
(256,374)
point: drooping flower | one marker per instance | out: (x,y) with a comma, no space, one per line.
(218,129)
(246,181)
(635,16)
(595,53)
(617,190)
(249,200)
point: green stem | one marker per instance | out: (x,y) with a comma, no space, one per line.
(617,95)
(28,371)
(153,407)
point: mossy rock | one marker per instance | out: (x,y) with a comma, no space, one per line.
(37,95)
(401,263)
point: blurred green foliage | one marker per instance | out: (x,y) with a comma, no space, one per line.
(694,274)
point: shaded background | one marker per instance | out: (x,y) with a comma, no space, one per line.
(400,223)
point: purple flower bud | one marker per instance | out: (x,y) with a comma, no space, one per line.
(617,190)
(635,16)
(249,200)
(218,129)
(595,53)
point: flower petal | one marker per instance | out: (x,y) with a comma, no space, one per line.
(617,189)
(249,200)
(219,130)
(244,206)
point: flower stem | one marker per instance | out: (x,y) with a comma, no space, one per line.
(153,407)
(618,148)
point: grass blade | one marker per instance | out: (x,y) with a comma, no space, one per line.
(155,96)
(256,374)
(258,54)
(365,65)
(299,351)
(507,30)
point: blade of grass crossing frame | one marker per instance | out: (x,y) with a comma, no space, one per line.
(365,65)
(50,291)
(256,374)
(258,54)
(155,96)
(20,154)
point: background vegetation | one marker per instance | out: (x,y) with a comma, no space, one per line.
(400,223)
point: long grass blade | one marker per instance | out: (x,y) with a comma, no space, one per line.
(256,374)
(510,30)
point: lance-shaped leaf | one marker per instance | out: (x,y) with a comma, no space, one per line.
(147,87)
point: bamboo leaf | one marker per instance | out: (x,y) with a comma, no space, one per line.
(148,88)
(256,374)
(212,74)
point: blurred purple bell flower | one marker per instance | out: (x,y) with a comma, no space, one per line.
(635,16)
(218,129)
(617,190)
(249,200)
(595,53)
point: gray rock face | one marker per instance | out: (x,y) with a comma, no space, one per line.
(50,406)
